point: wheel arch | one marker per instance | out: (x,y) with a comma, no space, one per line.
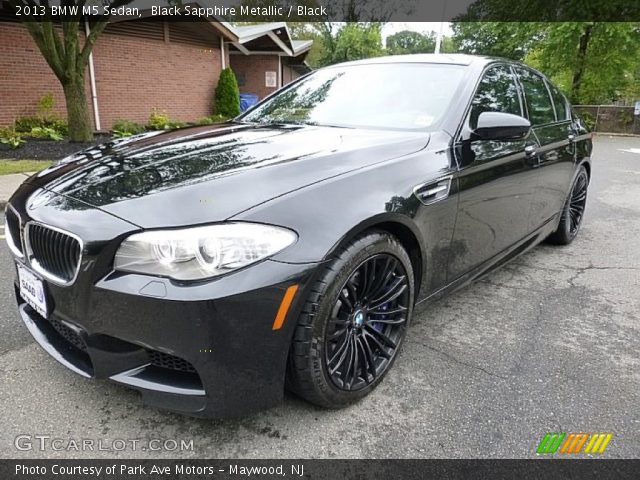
(402,228)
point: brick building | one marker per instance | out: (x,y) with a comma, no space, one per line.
(265,57)
(144,65)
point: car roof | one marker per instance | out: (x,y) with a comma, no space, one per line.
(440,58)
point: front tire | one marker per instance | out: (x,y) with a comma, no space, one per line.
(352,325)
(572,211)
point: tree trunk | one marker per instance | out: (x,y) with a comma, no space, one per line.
(80,129)
(578,72)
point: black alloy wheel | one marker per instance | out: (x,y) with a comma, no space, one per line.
(572,211)
(353,322)
(367,322)
(577,203)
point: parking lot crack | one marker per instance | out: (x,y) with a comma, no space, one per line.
(582,270)
(453,359)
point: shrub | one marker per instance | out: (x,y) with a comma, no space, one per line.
(227,95)
(45,124)
(174,124)
(46,104)
(161,121)
(211,119)
(60,126)
(26,125)
(126,128)
(9,136)
(157,120)
(588,119)
(45,133)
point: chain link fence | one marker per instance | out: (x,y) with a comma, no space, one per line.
(609,118)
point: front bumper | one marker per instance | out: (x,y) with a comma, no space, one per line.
(205,349)
(215,355)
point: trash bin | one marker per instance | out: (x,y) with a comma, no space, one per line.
(248,100)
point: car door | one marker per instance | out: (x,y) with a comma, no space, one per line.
(548,113)
(496,179)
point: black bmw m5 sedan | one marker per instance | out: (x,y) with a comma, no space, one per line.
(212,267)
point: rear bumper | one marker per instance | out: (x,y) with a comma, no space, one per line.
(205,350)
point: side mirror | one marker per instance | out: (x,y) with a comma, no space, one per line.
(501,126)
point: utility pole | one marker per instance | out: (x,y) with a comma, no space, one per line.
(439,36)
(439,39)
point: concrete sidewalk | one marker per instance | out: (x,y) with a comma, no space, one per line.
(9,184)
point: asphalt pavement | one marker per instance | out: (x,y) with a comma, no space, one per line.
(547,344)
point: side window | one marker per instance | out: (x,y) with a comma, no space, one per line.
(560,103)
(497,92)
(537,97)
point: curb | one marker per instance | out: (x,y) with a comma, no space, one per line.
(607,134)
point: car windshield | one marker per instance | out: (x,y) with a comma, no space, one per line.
(404,96)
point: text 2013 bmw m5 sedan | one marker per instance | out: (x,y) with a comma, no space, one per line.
(212,266)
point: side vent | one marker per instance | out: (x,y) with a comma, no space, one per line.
(433,191)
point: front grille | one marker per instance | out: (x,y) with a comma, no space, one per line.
(53,252)
(67,333)
(171,362)
(13,229)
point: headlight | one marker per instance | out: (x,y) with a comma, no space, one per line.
(201,252)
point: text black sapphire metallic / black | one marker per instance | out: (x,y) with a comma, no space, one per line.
(212,267)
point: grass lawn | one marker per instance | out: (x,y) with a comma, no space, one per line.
(21,166)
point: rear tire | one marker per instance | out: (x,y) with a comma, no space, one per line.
(572,211)
(353,323)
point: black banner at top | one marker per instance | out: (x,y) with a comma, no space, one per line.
(330,10)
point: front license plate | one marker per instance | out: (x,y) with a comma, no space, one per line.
(32,290)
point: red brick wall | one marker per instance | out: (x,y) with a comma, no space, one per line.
(25,77)
(135,74)
(253,68)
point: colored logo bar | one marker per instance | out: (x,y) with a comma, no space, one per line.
(574,443)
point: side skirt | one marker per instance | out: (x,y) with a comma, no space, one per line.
(495,262)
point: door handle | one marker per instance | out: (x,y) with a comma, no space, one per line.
(531,156)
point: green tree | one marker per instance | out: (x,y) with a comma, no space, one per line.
(407,42)
(511,40)
(448,45)
(592,62)
(330,37)
(307,31)
(355,41)
(227,94)
(367,16)
(66,51)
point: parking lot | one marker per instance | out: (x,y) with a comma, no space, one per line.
(547,344)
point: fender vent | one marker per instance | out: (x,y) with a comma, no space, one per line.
(433,191)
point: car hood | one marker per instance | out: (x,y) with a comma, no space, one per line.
(211,173)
